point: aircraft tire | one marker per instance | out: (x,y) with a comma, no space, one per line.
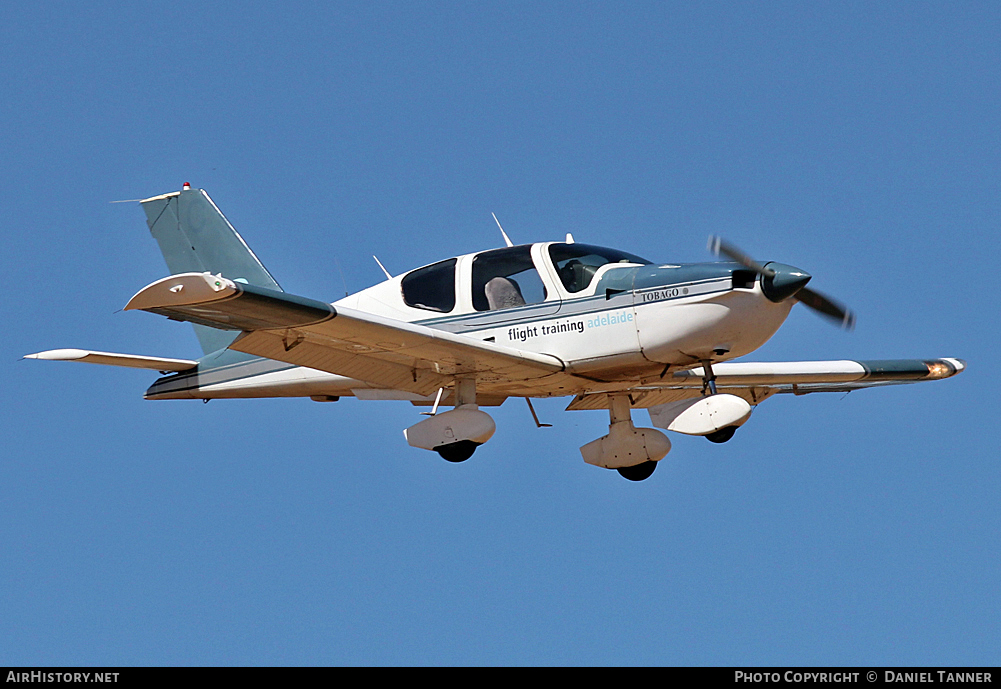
(458,451)
(722,435)
(639,472)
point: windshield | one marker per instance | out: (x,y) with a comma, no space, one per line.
(576,264)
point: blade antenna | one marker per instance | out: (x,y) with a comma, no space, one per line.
(388,276)
(507,240)
(434,409)
(345,282)
(536,416)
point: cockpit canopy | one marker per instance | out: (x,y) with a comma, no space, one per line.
(509,277)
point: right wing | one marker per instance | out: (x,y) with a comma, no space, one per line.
(757,381)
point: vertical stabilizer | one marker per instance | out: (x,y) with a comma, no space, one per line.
(195,237)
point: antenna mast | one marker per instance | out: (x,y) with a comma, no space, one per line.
(507,240)
(388,276)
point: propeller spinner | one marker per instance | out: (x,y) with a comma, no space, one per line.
(779,282)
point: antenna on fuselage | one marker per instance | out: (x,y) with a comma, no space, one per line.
(343,281)
(569,238)
(507,240)
(388,276)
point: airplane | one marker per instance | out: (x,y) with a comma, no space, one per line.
(609,329)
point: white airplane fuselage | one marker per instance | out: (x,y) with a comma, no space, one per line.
(630,324)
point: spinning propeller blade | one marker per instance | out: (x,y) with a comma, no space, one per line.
(718,246)
(788,282)
(827,307)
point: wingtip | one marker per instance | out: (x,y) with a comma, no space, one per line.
(57,355)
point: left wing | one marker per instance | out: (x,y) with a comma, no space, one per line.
(757,381)
(382,351)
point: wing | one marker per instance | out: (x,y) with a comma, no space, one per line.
(154,363)
(757,381)
(382,351)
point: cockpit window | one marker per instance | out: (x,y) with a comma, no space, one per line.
(431,287)
(576,264)
(504,278)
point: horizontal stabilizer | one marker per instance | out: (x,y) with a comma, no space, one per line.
(154,363)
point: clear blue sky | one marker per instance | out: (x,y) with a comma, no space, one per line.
(857,140)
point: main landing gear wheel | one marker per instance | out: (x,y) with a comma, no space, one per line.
(458,451)
(638,472)
(722,435)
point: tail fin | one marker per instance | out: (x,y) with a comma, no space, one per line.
(195,237)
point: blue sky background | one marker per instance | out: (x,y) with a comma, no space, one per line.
(859,141)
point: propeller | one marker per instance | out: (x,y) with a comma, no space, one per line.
(779,282)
